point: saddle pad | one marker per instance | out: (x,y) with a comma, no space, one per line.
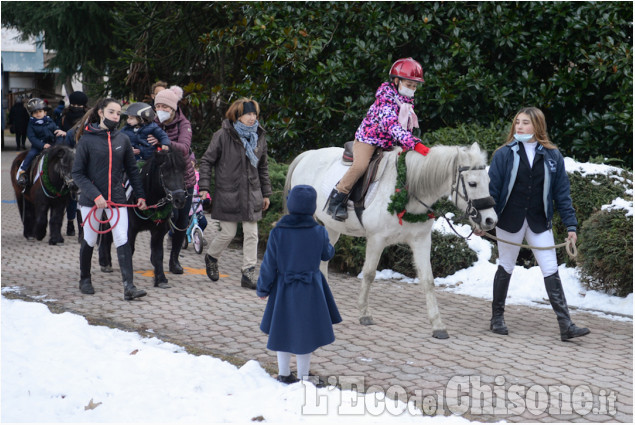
(128,188)
(40,166)
(338,169)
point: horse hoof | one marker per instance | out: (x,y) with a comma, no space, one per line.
(442,334)
(106,269)
(366,320)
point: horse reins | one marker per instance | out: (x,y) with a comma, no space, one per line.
(473,211)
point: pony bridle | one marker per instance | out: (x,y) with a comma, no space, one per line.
(169,194)
(474,206)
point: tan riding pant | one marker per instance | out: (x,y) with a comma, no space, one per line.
(362,152)
(224,232)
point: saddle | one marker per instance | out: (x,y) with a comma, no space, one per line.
(360,188)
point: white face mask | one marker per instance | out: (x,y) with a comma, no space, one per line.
(523,137)
(162,115)
(405,91)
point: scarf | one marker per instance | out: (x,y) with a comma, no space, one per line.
(249,137)
(407,117)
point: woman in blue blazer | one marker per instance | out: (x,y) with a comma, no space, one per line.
(527,180)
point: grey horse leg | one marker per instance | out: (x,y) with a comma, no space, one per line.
(421,253)
(373,253)
(324,265)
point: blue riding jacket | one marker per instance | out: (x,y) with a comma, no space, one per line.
(503,171)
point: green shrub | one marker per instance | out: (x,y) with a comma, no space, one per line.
(449,254)
(607,266)
(277,176)
(349,255)
(589,193)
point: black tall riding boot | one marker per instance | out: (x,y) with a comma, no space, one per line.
(501,284)
(124,255)
(337,205)
(558,302)
(85,258)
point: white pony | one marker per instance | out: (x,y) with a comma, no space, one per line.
(447,170)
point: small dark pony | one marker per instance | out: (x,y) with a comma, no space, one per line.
(164,184)
(50,188)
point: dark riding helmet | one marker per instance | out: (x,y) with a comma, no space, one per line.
(35,104)
(141,110)
(408,69)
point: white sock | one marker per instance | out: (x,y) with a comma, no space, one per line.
(304,362)
(284,359)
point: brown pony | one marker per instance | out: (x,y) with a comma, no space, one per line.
(50,188)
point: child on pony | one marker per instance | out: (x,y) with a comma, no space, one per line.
(389,122)
(41,132)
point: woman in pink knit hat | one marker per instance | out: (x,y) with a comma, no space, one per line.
(172,120)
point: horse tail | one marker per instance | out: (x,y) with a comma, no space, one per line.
(287,182)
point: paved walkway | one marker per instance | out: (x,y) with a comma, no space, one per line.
(475,373)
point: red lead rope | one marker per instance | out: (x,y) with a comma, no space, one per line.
(93,210)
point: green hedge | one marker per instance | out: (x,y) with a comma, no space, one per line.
(607,266)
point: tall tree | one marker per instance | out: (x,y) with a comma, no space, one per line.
(80,33)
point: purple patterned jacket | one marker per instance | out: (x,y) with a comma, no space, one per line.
(381,126)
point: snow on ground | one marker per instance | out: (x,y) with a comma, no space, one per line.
(58,368)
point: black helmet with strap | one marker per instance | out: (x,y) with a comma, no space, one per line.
(35,104)
(141,110)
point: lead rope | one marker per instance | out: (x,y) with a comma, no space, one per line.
(572,251)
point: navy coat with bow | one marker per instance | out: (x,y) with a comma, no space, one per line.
(301,311)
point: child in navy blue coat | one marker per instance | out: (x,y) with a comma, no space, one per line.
(301,311)
(139,125)
(41,132)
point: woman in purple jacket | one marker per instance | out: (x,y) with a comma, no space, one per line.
(389,122)
(172,120)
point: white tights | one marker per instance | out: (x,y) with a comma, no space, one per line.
(303,360)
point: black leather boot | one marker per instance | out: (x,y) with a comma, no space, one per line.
(124,255)
(70,228)
(337,205)
(23,179)
(558,302)
(85,258)
(501,284)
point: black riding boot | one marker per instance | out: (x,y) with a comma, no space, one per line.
(558,302)
(501,284)
(85,258)
(70,228)
(337,205)
(124,255)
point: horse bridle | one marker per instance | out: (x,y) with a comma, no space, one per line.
(474,206)
(68,181)
(169,194)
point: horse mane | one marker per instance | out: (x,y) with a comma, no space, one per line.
(173,159)
(429,173)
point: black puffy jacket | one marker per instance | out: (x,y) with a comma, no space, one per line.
(101,158)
